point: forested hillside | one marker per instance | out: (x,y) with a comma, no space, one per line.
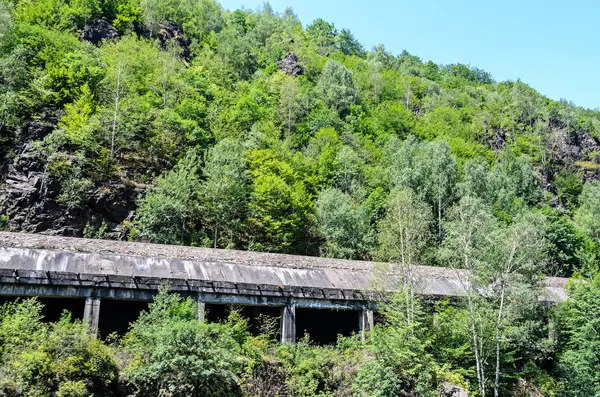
(176,121)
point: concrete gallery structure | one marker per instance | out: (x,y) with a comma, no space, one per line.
(104,277)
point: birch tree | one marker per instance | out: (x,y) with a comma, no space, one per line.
(289,106)
(471,228)
(404,234)
(499,268)
(516,265)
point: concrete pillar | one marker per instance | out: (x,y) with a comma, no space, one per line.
(365,322)
(91,313)
(288,323)
(201,311)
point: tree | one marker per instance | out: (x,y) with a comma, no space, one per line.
(322,33)
(129,87)
(348,176)
(343,224)
(588,213)
(6,21)
(279,206)
(169,213)
(577,320)
(225,190)
(429,169)
(440,178)
(336,87)
(289,106)
(500,269)
(401,359)
(347,43)
(470,230)
(403,238)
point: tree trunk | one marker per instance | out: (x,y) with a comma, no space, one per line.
(498,325)
(116,112)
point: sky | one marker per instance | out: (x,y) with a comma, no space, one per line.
(554,46)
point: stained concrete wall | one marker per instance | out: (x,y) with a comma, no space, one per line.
(125,270)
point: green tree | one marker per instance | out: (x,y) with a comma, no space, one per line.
(577,320)
(471,230)
(322,33)
(403,238)
(280,205)
(588,213)
(347,43)
(225,190)
(343,224)
(289,106)
(336,87)
(169,213)
(401,361)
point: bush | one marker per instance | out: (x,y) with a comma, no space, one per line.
(44,360)
(168,350)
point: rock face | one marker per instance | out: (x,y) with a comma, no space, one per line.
(451,390)
(172,31)
(290,66)
(98,30)
(29,197)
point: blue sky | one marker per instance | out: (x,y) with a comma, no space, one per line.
(554,46)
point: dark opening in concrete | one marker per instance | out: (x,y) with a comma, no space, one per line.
(54,307)
(324,325)
(261,319)
(116,315)
(216,313)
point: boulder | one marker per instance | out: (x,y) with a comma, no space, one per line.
(171,31)
(289,65)
(451,390)
(98,30)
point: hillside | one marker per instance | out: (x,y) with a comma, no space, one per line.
(180,122)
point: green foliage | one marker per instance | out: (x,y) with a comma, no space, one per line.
(225,191)
(364,155)
(279,206)
(172,352)
(336,87)
(3,222)
(60,359)
(401,358)
(405,230)
(344,225)
(588,214)
(569,186)
(577,319)
(170,210)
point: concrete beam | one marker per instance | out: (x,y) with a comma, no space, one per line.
(288,323)
(365,322)
(91,313)
(201,310)
(58,291)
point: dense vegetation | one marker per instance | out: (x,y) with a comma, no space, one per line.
(245,130)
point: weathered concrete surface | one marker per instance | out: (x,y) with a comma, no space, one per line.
(124,270)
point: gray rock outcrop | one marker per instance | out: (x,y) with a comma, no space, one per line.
(452,390)
(29,196)
(171,31)
(98,30)
(289,65)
